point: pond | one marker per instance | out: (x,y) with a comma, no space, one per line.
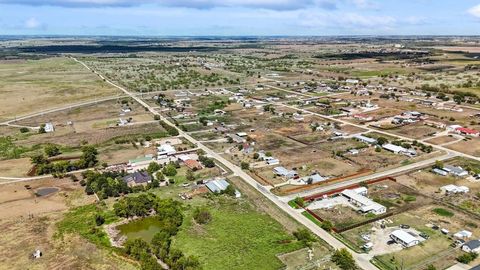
(46,191)
(144,228)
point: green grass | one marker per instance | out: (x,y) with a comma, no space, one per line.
(81,220)
(443,212)
(238,237)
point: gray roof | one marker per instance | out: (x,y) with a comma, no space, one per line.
(217,185)
(138,177)
(473,244)
(454,169)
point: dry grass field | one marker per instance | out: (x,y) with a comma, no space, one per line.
(37,85)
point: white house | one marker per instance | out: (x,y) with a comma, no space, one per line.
(404,238)
(166,150)
(472,246)
(455,170)
(453,189)
(365,139)
(399,149)
(463,234)
(363,203)
(282,171)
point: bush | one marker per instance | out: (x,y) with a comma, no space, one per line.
(24,130)
(202,216)
(443,212)
(304,235)
(327,225)
(467,257)
(99,220)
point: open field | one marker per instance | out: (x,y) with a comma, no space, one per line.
(46,84)
(471,147)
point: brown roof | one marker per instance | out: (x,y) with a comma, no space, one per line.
(193,164)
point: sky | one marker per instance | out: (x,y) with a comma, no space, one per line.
(239,17)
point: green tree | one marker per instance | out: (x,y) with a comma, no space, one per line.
(89,156)
(170,170)
(160,177)
(327,225)
(190,176)
(304,235)
(153,167)
(245,165)
(382,140)
(344,259)
(51,150)
(230,190)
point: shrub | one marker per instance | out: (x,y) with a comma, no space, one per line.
(202,216)
(443,212)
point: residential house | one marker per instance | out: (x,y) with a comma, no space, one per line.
(193,164)
(365,139)
(467,132)
(404,238)
(453,189)
(472,246)
(137,178)
(166,150)
(399,149)
(313,179)
(456,171)
(364,204)
(282,171)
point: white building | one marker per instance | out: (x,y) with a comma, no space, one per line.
(453,189)
(404,238)
(49,127)
(166,150)
(472,246)
(399,149)
(363,203)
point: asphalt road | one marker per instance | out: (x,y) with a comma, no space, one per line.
(363,260)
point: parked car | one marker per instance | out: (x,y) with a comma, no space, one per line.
(424,235)
(435,227)
(404,226)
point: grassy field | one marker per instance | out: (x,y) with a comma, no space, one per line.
(238,237)
(36,85)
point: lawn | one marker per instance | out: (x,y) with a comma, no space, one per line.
(238,237)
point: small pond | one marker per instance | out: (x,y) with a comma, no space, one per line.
(46,191)
(144,228)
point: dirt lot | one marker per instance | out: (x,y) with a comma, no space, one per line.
(442,140)
(36,85)
(471,147)
(67,136)
(415,131)
(96,116)
(22,236)
(14,167)
(18,202)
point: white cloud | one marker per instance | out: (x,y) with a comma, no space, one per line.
(475,11)
(346,20)
(32,23)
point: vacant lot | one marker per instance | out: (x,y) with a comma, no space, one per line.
(471,147)
(37,85)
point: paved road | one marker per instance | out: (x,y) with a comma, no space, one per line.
(363,260)
(402,169)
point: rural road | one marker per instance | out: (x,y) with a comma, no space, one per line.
(363,260)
